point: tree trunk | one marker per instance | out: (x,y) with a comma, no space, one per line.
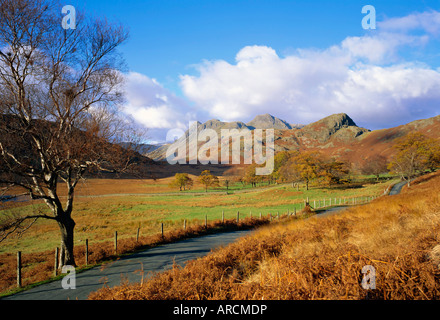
(66,225)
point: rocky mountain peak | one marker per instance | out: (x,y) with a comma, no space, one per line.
(267,121)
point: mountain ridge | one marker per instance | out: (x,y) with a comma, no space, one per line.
(336,136)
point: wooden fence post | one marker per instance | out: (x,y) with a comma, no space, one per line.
(116,242)
(55,266)
(87,251)
(206,221)
(223,216)
(19,269)
(238,216)
(137,234)
(184,224)
(161,229)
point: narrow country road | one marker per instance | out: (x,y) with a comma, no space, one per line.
(397,188)
(128,268)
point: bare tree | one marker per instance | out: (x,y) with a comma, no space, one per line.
(59,97)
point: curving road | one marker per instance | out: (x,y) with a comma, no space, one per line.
(112,274)
(397,188)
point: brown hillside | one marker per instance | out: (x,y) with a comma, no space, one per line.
(335,136)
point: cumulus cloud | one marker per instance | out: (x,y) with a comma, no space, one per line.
(428,22)
(362,76)
(154,106)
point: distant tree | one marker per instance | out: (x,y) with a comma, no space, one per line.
(208,179)
(181,181)
(333,170)
(280,159)
(250,175)
(412,156)
(304,166)
(432,161)
(227,182)
(375,165)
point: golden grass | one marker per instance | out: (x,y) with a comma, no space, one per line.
(39,266)
(319,258)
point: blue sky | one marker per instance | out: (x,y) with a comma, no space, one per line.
(298,60)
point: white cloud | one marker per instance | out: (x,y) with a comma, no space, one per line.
(154,106)
(364,77)
(428,22)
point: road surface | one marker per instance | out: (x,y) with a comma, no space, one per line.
(397,188)
(155,259)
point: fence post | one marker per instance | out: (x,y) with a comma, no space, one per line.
(55,266)
(137,234)
(87,251)
(260,214)
(19,269)
(116,242)
(206,221)
(223,216)
(184,224)
(161,229)
(238,216)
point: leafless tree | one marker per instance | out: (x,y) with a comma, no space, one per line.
(59,97)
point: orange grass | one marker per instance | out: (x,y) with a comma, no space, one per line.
(318,258)
(39,266)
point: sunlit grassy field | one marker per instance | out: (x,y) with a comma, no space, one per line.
(105,206)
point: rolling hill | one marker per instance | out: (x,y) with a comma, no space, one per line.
(336,136)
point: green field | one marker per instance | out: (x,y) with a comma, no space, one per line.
(98,217)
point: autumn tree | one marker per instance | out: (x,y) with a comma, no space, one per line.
(182,181)
(305,166)
(60,92)
(332,170)
(413,152)
(208,179)
(432,161)
(280,159)
(375,165)
(250,175)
